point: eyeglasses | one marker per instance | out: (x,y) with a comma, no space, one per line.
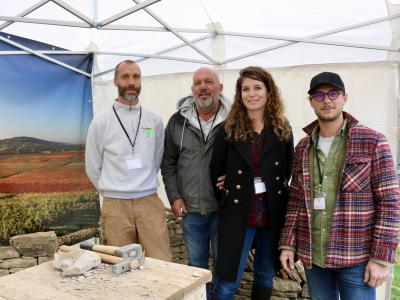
(319,96)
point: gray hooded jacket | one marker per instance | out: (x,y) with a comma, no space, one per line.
(185,164)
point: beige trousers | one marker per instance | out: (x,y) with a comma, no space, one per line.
(137,221)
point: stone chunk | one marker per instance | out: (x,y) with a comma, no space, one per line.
(300,269)
(8,252)
(286,285)
(43,259)
(24,262)
(4,272)
(15,270)
(305,293)
(36,244)
(76,262)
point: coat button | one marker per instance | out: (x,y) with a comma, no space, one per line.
(236,201)
(276,163)
(280,192)
(277,178)
(240,172)
(238,187)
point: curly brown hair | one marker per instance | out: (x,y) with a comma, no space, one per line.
(238,124)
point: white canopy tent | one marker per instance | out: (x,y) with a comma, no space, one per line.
(170,39)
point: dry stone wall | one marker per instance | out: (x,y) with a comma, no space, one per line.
(27,251)
(36,248)
(286,286)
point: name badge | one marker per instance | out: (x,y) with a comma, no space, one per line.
(259,186)
(319,203)
(133,161)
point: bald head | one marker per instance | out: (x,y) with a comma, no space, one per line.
(206,89)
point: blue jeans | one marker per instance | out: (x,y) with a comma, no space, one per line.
(198,232)
(263,264)
(328,283)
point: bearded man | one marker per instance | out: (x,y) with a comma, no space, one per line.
(124,148)
(189,137)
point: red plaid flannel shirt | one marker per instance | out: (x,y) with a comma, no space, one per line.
(367,211)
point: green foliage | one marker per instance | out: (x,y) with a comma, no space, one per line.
(28,212)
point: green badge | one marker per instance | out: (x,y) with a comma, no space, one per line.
(149,132)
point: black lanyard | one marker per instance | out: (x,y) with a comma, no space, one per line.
(321,175)
(201,128)
(134,141)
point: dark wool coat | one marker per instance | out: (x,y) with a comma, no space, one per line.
(234,159)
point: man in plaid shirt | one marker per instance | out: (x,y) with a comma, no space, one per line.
(344,208)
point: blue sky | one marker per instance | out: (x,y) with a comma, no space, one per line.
(43,100)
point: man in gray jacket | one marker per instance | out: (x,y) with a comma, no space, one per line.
(189,137)
(124,148)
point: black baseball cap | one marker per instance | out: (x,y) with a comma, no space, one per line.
(326,78)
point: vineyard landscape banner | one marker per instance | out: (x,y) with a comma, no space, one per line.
(45,112)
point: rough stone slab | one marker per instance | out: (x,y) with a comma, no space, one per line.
(24,262)
(183,255)
(175,244)
(278,298)
(76,262)
(300,268)
(182,261)
(4,272)
(176,238)
(175,250)
(166,280)
(286,285)
(285,295)
(45,259)
(176,255)
(305,293)
(248,276)
(237,297)
(178,230)
(15,270)
(243,292)
(183,248)
(170,216)
(8,252)
(36,244)
(171,224)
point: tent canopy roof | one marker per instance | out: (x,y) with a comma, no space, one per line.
(168,36)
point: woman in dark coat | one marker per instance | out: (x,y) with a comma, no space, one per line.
(255,151)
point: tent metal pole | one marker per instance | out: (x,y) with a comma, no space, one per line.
(43,52)
(178,35)
(46,22)
(25,12)
(74,11)
(161,52)
(43,56)
(154,28)
(128,11)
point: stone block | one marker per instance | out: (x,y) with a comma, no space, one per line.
(183,261)
(171,224)
(238,297)
(285,295)
(300,269)
(177,254)
(76,262)
(176,238)
(183,255)
(183,248)
(175,250)
(170,216)
(248,276)
(36,244)
(15,270)
(8,252)
(178,230)
(305,293)
(4,272)
(278,298)
(43,259)
(23,262)
(175,244)
(171,233)
(243,292)
(286,285)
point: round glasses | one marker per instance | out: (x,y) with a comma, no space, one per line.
(319,96)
